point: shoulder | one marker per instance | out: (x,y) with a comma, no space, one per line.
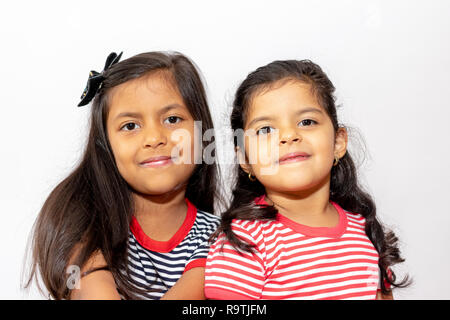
(204,226)
(206,221)
(251,234)
(250,226)
(252,231)
(355,219)
(95,281)
(355,222)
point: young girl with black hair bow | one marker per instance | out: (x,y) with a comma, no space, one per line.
(133,216)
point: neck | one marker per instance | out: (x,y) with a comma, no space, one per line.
(309,202)
(157,205)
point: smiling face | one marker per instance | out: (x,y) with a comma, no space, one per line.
(291,143)
(151,134)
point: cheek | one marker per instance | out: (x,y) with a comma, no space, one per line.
(123,154)
(324,147)
(183,146)
(262,151)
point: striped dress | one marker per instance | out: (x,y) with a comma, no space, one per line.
(294,261)
(160,264)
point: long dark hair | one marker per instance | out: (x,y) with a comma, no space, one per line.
(90,210)
(344,187)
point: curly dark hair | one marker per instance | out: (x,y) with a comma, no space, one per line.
(344,187)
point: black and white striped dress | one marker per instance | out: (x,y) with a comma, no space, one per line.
(160,264)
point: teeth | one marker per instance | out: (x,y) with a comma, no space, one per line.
(155,162)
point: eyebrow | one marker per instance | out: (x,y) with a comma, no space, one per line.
(298,113)
(139,115)
(169,107)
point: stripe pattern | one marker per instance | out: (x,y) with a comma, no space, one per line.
(161,270)
(287,264)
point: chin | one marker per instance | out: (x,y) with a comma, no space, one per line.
(293,184)
(155,190)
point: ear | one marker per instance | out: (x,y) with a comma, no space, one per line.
(340,144)
(242,160)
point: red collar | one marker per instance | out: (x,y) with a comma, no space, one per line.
(329,232)
(169,245)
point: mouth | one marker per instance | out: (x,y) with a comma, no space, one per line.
(156,162)
(294,157)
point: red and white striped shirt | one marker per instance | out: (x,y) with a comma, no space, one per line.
(294,261)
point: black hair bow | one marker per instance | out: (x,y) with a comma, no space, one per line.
(95,79)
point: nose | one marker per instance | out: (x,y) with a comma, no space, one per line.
(289,135)
(154,137)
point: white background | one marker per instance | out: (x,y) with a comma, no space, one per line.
(389,60)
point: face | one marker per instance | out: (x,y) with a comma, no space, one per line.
(151,135)
(290,142)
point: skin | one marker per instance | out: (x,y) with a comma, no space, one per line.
(142,118)
(143,115)
(388,296)
(299,190)
(288,118)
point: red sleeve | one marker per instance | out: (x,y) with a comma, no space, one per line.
(201,262)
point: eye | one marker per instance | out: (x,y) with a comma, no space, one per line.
(130,126)
(306,123)
(264,130)
(173,120)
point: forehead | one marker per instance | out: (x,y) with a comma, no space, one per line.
(148,92)
(282,99)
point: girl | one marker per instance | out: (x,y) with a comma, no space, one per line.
(133,214)
(299,225)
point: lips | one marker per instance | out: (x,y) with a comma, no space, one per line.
(294,157)
(155,162)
